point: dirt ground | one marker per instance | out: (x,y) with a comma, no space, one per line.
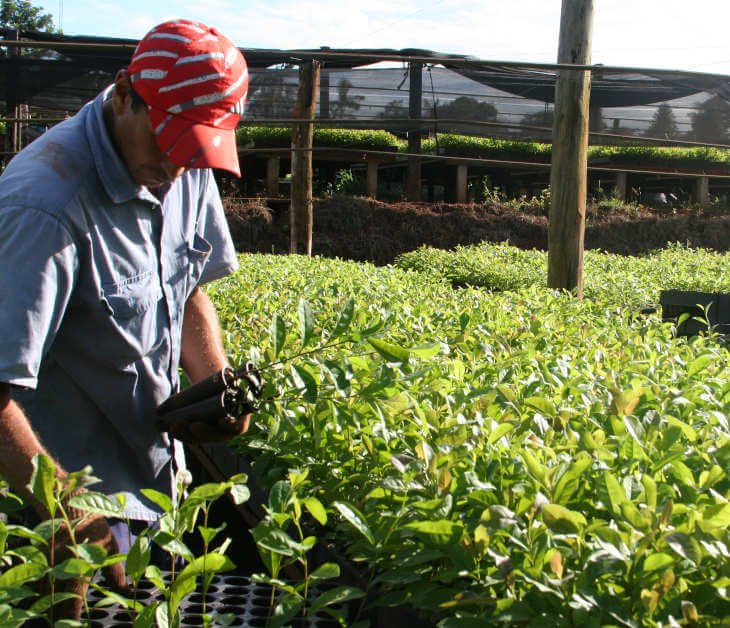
(364,229)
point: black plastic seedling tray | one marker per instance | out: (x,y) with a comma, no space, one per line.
(247,601)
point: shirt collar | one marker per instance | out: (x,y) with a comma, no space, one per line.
(113,174)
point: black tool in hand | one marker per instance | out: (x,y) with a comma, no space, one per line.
(224,396)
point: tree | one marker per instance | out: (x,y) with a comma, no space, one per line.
(345,102)
(24,16)
(271,96)
(712,122)
(467,108)
(663,124)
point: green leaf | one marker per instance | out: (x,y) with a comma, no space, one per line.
(698,364)
(240,493)
(389,351)
(146,618)
(355,518)
(278,334)
(616,493)
(442,533)
(316,509)
(570,480)
(162,500)
(545,406)
(561,520)
(337,595)
(650,490)
(284,611)
(716,516)
(95,503)
(345,318)
(71,568)
(686,546)
(43,482)
(426,352)
(279,496)
(499,431)
(138,558)
(658,560)
(326,571)
(272,539)
(91,553)
(536,470)
(305,381)
(20,574)
(306,322)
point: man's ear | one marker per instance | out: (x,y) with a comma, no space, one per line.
(121,95)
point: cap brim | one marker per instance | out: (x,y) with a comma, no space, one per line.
(191,144)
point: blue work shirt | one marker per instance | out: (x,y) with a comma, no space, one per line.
(95,271)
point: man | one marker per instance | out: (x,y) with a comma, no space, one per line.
(109,223)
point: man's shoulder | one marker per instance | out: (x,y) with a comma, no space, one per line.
(51,171)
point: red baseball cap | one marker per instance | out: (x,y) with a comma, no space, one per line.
(194,82)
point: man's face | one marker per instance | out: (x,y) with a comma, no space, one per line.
(141,154)
(134,139)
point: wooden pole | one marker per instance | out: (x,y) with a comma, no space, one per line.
(461,183)
(568,176)
(415,96)
(273,165)
(300,213)
(371,182)
(702,191)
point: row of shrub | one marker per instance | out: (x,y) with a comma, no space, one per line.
(702,157)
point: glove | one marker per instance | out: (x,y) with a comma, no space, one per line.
(198,432)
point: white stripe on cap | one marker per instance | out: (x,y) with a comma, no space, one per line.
(161,126)
(185,40)
(207,99)
(203,78)
(202,57)
(231,56)
(149,75)
(157,53)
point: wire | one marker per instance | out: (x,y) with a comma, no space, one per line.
(401,19)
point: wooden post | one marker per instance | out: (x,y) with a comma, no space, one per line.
(621,186)
(702,191)
(371,183)
(273,165)
(461,171)
(324,91)
(569,173)
(300,213)
(415,96)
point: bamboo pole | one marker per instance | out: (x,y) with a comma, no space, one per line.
(568,176)
(301,218)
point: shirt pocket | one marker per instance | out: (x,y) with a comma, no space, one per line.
(134,318)
(133,296)
(198,255)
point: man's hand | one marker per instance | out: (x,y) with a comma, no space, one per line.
(199,432)
(94,529)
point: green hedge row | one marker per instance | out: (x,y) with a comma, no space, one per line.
(488,148)
(617,279)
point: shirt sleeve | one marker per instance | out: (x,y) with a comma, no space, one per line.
(213,226)
(37,274)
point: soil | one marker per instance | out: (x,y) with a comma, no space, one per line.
(363,229)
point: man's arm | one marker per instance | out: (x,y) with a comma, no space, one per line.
(203,355)
(18,445)
(202,345)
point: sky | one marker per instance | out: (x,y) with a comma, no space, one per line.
(669,34)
